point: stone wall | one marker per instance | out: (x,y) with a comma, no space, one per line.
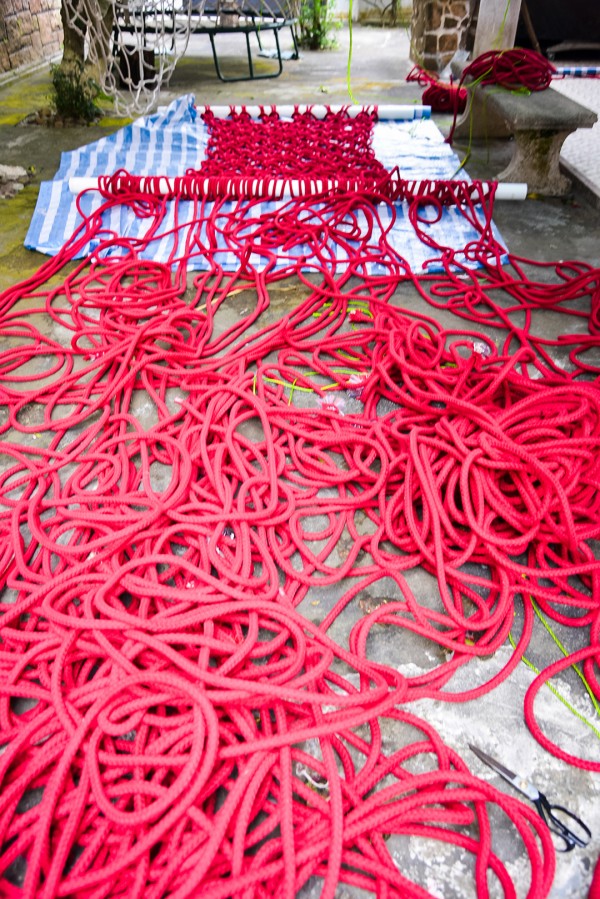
(439,29)
(30,32)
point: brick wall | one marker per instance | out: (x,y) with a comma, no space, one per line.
(438,30)
(30,31)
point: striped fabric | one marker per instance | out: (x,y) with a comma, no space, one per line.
(579,71)
(174,139)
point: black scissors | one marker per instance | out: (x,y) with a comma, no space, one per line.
(554,816)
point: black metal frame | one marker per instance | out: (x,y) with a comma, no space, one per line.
(208,22)
(246,30)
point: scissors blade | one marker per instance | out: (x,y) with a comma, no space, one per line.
(515,780)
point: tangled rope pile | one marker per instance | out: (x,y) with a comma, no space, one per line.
(175,490)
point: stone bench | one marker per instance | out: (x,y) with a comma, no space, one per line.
(539,123)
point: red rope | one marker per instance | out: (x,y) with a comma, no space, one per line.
(513,69)
(306,146)
(174,722)
(390,187)
(440,95)
(594,892)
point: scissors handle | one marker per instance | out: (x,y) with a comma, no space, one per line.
(554,816)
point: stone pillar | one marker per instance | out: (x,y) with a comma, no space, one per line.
(438,30)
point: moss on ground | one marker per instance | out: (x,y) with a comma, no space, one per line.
(24,96)
(17,263)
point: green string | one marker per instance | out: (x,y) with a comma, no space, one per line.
(353,305)
(349,63)
(565,652)
(502,29)
(294,386)
(470,87)
(576,668)
(523,91)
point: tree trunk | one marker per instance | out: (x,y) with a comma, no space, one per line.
(76,29)
(73,36)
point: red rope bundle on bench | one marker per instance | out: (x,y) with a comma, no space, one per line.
(514,69)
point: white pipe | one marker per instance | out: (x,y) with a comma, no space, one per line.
(511,190)
(389,112)
(282,188)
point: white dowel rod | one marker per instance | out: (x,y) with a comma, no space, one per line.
(286,188)
(404,112)
(510,190)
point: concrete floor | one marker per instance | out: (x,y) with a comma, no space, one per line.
(547,229)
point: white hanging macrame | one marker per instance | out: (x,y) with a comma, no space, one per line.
(133,46)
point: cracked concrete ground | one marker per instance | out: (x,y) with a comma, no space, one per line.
(548,230)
